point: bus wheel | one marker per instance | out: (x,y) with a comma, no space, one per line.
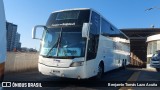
(123,65)
(100,71)
(158,69)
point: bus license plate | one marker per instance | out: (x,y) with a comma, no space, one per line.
(55,71)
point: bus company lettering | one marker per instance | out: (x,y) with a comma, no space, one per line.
(64,24)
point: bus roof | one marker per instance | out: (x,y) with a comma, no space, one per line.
(72,9)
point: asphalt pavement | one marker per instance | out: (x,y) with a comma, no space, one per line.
(120,75)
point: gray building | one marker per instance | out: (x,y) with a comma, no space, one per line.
(17,40)
(13,37)
(19,46)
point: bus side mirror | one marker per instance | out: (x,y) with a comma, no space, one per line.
(34,31)
(85,30)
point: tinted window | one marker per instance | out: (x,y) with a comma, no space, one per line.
(108,30)
(105,27)
(95,26)
(67,15)
(94,36)
(75,16)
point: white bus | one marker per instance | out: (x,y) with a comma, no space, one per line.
(80,43)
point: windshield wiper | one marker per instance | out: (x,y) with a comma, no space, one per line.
(56,43)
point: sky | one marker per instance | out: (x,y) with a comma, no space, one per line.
(121,13)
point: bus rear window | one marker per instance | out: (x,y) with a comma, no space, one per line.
(67,15)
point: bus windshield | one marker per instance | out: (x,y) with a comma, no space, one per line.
(63,43)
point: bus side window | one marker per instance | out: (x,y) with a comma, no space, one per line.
(94,36)
(105,27)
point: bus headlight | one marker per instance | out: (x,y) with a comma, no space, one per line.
(75,64)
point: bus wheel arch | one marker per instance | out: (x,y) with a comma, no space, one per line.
(100,70)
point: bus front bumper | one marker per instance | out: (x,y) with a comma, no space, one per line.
(155,64)
(70,72)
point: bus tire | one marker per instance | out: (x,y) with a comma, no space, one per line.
(123,65)
(158,69)
(100,71)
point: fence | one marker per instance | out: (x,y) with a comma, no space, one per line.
(17,61)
